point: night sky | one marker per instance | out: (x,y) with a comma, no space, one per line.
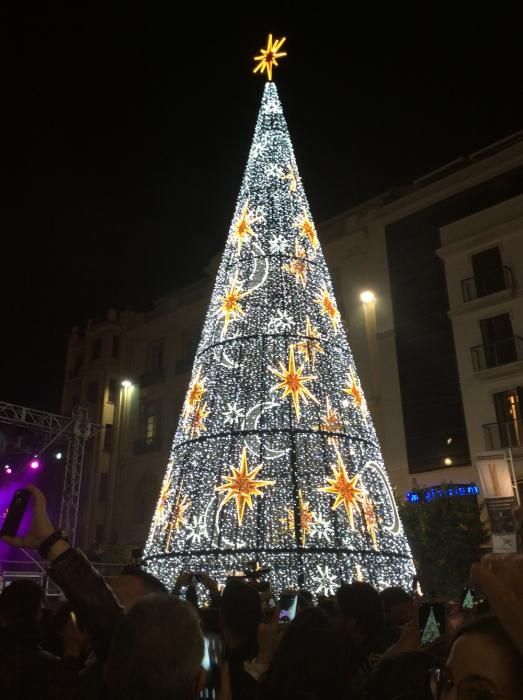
(129,133)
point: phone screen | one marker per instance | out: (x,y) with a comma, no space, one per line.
(211,662)
(288,605)
(468,597)
(15,513)
(431,622)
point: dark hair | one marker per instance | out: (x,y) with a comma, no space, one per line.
(21,601)
(156,651)
(361,603)
(405,675)
(241,609)
(393,596)
(150,582)
(309,662)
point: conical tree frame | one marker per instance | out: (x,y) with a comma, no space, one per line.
(275,458)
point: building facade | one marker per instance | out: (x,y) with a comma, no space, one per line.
(438,344)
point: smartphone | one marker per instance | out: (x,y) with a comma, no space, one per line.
(15,513)
(468,598)
(288,605)
(431,621)
(211,663)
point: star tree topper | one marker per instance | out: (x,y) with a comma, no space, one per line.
(267,58)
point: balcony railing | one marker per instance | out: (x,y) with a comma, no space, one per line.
(153,376)
(501,352)
(147,445)
(488,283)
(507,434)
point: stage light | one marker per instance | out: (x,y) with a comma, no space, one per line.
(58,455)
(34,464)
(8,469)
(367,297)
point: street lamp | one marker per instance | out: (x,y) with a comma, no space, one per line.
(367,297)
(127,383)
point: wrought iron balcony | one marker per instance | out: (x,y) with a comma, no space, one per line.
(507,434)
(501,352)
(488,283)
(153,376)
(151,444)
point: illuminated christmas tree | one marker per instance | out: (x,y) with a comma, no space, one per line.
(275,458)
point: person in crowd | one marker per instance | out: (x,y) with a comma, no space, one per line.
(398,606)
(26,669)
(133,583)
(161,670)
(308,662)
(363,628)
(402,676)
(483,662)
(329,606)
(240,617)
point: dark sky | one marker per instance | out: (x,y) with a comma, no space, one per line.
(130,133)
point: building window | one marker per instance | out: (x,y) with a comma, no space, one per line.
(499,347)
(116,346)
(96,349)
(487,267)
(92,392)
(509,406)
(108,437)
(155,360)
(111,391)
(103,488)
(99,534)
(77,366)
(151,422)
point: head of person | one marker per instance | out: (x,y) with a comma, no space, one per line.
(156,652)
(240,613)
(483,662)
(21,603)
(133,584)
(398,606)
(309,661)
(403,676)
(361,611)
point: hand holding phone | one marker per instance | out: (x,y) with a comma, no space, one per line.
(15,513)
(431,621)
(288,605)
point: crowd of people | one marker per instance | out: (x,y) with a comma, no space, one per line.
(135,640)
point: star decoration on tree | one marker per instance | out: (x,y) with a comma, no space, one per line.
(325,581)
(310,346)
(241,485)
(160,511)
(346,490)
(307,519)
(307,230)
(243,227)
(353,389)
(331,423)
(178,518)
(196,422)
(194,394)
(329,308)
(293,383)
(230,307)
(298,265)
(371,521)
(267,57)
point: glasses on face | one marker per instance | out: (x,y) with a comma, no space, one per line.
(472,688)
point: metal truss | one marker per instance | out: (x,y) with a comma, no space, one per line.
(75,430)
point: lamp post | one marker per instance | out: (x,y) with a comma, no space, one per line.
(369,309)
(118,452)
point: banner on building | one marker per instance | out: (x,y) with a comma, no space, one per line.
(494,475)
(502,524)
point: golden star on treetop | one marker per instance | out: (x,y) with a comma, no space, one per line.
(310,346)
(242,486)
(353,389)
(346,490)
(268,57)
(298,265)
(328,308)
(243,227)
(293,383)
(231,308)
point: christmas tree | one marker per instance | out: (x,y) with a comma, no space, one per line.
(275,459)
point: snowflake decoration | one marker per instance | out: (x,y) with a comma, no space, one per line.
(272,107)
(281,322)
(274,170)
(325,581)
(321,528)
(278,244)
(259,147)
(233,414)
(196,530)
